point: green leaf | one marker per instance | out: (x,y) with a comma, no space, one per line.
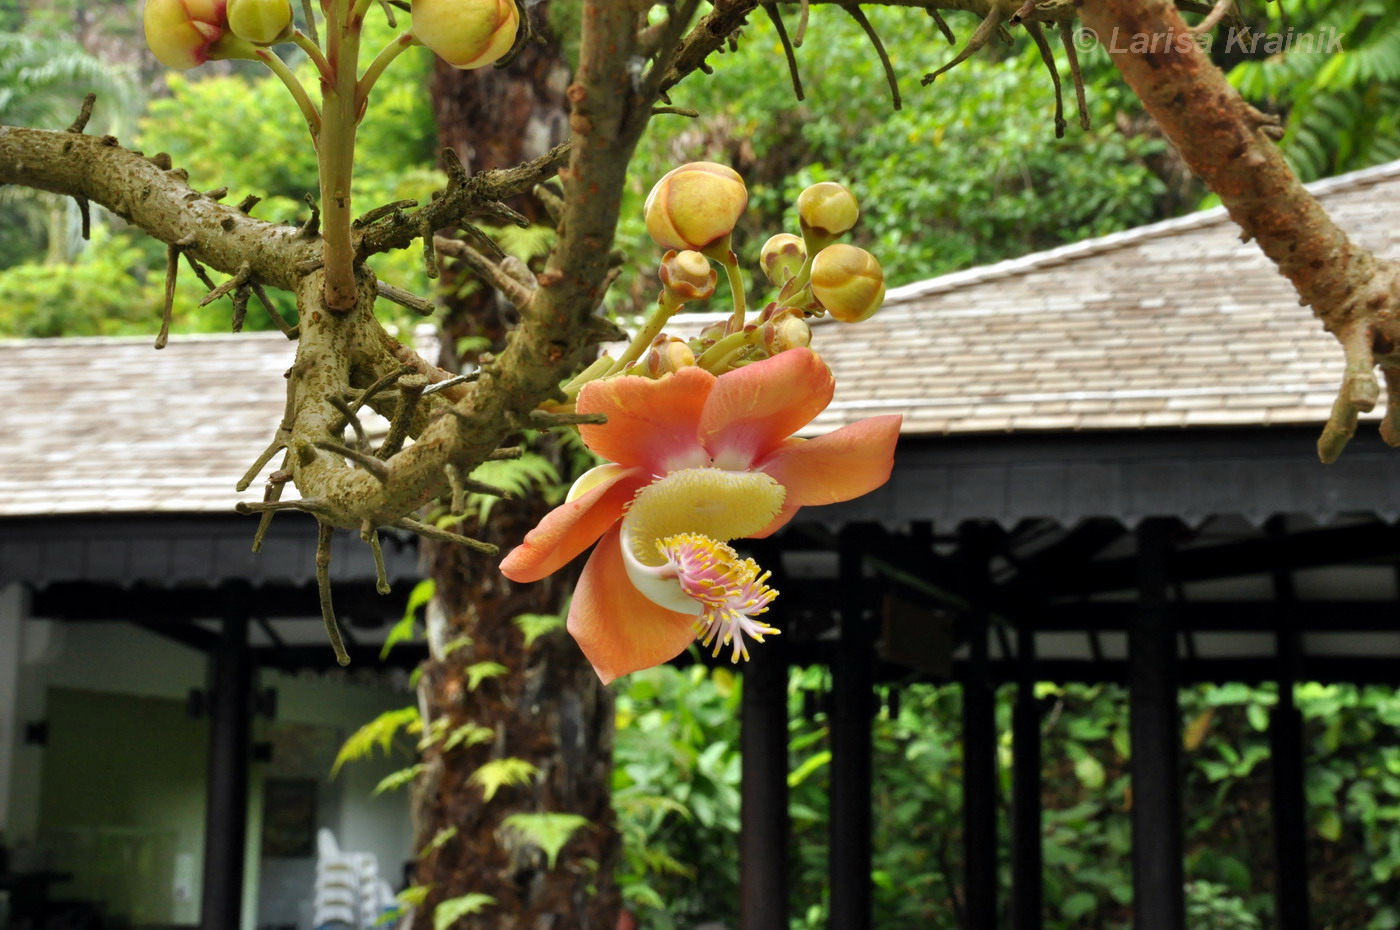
(468,734)
(441,838)
(480,671)
(1329,826)
(378,732)
(1090,772)
(549,831)
(500,773)
(452,910)
(455,643)
(814,762)
(536,625)
(413,895)
(402,631)
(1078,904)
(642,894)
(395,780)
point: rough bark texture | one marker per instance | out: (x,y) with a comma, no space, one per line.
(549,708)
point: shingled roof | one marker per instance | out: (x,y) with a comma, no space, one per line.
(1178,324)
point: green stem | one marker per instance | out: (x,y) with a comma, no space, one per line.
(719,357)
(299,94)
(358,14)
(336,152)
(313,51)
(393,50)
(723,254)
(666,306)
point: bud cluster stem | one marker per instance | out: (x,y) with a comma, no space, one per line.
(298,92)
(335,151)
(394,49)
(313,51)
(666,307)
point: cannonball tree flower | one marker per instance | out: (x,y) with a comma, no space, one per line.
(467,34)
(696,461)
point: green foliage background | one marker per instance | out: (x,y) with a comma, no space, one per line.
(679,806)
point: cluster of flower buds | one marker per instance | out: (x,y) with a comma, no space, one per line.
(466,34)
(186,33)
(692,212)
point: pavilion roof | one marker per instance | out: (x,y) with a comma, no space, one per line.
(1177,324)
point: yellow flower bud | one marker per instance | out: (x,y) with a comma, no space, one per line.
(688,275)
(782,257)
(668,354)
(695,206)
(827,209)
(787,330)
(848,282)
(466,34)
(262,22)
(182,32)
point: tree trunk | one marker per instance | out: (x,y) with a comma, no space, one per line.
(548,708)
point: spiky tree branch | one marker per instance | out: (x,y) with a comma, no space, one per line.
(1231,146)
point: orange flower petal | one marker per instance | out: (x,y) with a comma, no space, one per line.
(839,466)
(618,628)
(651,423)
(753,409)
(571,528)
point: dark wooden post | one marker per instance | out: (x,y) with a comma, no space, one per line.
(1155,725)
(226,807)
(1286,754)
(1027,866)
(979,755)
(852,684)
(763,834)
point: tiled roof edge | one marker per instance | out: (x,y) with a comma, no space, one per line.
(1087,247)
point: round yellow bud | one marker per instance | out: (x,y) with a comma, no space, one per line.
(848,282)
(180,32)
(262,22)
(667,355)
(782,257)
(466,34)
(787,330)
(827,209)
(688,275)
(695,206)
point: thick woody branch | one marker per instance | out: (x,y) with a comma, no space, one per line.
(1230,146)
(157,199)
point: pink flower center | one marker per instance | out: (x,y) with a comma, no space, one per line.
(730,591)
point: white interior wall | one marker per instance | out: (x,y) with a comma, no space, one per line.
(117,658)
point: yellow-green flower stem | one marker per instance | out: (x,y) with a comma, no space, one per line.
(722,253)
(313,51)
(299,94)
(358,14)
(394,49)
(336,152)
(666,306)
(813,242)
(592,373)
(722,356)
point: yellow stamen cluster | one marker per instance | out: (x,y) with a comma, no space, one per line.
(731,591)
